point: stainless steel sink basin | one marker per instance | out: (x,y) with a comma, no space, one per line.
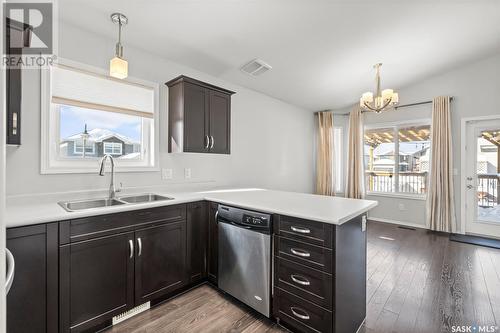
(72,206)
(141,198)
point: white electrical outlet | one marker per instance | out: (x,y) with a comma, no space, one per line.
(166,173)
(187,173)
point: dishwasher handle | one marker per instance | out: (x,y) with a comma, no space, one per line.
(11,264)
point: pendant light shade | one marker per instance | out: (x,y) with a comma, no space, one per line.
(118,67)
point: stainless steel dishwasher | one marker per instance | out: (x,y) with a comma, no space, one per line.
(245,256)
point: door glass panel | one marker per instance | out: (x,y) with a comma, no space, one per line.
(488,172)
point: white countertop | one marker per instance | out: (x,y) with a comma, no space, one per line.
(334,210)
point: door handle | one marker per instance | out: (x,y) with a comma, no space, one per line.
(131,248)
(300,280)
(11,264)
(296,313)
(217,216)
(207,141)
(139,246)
(300,253)
(301,230)
(470,187)
(14,123)
(212,140)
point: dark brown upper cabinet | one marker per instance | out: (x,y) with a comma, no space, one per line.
(18,35)
(199,117)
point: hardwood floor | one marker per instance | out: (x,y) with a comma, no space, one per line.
(417,282)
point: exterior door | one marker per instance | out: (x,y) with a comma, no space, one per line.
(482,184)
(220,122)
(160,262)
(196,99)
(96,281)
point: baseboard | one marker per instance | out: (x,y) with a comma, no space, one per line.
(406,224)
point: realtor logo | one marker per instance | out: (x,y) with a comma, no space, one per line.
(29,33)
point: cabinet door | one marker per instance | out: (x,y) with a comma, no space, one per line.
(197,229)
(213,235)
(32,300)
(160,264)
(196,99)
(97,281)
(220,122)
(18,35)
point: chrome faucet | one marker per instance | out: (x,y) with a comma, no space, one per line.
(112,189)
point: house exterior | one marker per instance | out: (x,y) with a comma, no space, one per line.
(98,143)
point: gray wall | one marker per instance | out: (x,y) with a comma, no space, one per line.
(475,88)
(272,141)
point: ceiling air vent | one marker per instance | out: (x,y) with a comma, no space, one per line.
(256,67)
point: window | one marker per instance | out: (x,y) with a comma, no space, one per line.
(397,158)
(338,155)
(113,148)
(104,115)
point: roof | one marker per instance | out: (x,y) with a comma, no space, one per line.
(377,137)
(99,135)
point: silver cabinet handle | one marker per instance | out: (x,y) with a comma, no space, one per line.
(131,248)
(300,253)
(212,140)
(217,216)
(14,123)
(207,141)
(300,280)
(11,265)
(300,230)
(139,245)
(304,316)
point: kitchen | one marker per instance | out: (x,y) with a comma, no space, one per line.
(161,178)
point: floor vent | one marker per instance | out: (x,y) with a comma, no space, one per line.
(407,228)
(130,313)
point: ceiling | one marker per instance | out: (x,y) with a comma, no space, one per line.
(321,51)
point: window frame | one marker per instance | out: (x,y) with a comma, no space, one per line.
(113,145)
(397,125)
(51,163)
(339,166)
(81,153)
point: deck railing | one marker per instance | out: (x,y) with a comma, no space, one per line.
(488,190)
(408,182)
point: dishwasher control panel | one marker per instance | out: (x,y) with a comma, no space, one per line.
(247,219)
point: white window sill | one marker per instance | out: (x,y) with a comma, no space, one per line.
(421,197)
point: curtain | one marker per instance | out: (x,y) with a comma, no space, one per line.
(355,173)
(440,200)
(325,183)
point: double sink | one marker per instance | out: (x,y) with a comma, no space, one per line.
(73,206)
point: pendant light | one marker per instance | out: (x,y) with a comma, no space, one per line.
(382,100)
(118,67)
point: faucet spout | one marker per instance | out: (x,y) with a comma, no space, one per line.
(112,189)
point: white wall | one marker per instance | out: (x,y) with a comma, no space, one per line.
(475,88)
(272,141)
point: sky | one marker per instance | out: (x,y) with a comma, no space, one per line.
(73,120)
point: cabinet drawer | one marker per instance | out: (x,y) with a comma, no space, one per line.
(310,284)
(102,225)
(309,255)
(304,230)
(300,315)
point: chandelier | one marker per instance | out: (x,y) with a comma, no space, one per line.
(382,100)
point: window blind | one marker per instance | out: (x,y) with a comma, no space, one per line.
(84,89)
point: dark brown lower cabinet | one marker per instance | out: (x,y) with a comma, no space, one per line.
(213,235)
(96,281)
(160,261)
(32,301)
(197,230)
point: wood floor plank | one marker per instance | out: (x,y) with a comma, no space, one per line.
(418,283)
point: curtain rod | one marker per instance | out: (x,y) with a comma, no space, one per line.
(395,108)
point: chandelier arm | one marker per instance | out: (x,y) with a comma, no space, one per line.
(378,109)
